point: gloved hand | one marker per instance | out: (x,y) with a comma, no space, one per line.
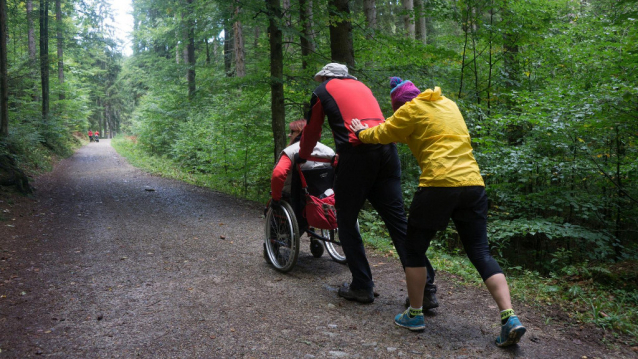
(272,204)
(299,159)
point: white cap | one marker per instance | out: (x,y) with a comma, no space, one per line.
(333,69)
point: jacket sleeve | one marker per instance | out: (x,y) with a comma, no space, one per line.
(279,174)
(312,131)
(395,129)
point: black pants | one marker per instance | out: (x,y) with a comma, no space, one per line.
(374,175)
(431,210)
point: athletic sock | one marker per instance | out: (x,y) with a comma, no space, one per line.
(413,312)
(505,315)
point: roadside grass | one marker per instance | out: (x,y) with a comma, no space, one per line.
(577,290)
(165,167)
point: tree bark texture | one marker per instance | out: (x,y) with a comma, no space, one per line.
(341,47)
(4,90)
(421,31)
(370,11)
(228,48)
(44,56)
(276,77)
(306,38)
(190,49)
(240,64)
(60,36)
(408,18)
(30,31)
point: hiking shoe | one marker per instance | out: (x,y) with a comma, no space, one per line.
(429,301)
(511,332)
(364,295)
(415,324)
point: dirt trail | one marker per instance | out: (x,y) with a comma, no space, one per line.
(108,261)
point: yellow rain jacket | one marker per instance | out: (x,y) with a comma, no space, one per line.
(434,129)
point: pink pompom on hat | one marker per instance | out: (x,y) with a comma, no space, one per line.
(402,92)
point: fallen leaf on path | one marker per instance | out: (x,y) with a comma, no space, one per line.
(213,337)
(47,332)
(222,237)
(232,329)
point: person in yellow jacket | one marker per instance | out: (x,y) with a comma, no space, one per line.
(450,186)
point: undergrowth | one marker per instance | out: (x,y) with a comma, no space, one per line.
(165,167)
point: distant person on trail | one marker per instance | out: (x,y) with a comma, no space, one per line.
(371,172)
(450,186)
(97,135)
(90,136)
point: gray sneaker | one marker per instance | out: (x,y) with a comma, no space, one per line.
(429,301)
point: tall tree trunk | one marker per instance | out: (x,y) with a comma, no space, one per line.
(189,50)
(240,66)
(58,19)
(44,56)
(4,90)
(408,18)
(370,10)
(31,30)
(306,36)
(341,47)
(421,31)
(276,77)
(511,66)
(228,48)
(31,45)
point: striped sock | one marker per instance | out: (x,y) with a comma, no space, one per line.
(506,314)
(415,311)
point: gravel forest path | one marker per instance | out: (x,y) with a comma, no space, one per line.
(106,261)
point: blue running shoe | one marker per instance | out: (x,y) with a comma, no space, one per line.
(415,324)
(511,332)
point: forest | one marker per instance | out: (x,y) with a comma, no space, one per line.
(548,89)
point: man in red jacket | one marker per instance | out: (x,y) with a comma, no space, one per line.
(90,136)
(371,172)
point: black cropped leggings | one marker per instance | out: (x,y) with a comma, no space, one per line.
(431,210)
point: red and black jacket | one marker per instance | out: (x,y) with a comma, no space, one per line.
(341,99)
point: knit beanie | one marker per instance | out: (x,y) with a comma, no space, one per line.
(402,92)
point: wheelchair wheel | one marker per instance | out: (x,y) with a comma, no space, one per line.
(282,237)
(334,249)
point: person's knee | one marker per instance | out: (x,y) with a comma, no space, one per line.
(415,260)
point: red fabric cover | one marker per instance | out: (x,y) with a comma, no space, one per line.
(320,213)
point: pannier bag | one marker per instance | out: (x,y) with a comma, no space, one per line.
(320,212)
